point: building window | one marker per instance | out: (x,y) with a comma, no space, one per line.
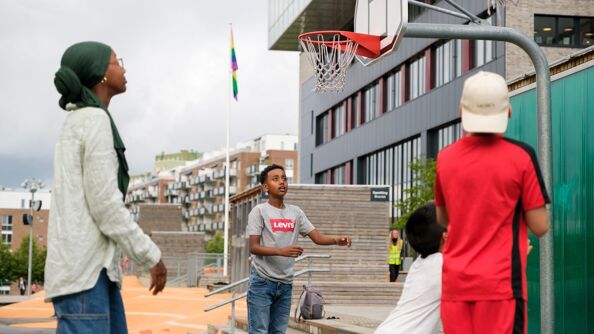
(448,135)
(7,230)
(355,111)
(564,31)
(394,91)
(339,175)
(416,79)
(310,164)
(322,129)
(372,102)
(339,120)
(322,178)
(448,62)
(390,166)
(289,163)
(484,51)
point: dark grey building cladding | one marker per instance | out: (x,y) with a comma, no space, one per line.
(416,117)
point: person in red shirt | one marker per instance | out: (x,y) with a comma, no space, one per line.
(488,191)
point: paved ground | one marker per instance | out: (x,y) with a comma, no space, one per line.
(175,311)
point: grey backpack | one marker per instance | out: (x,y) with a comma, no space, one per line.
(312,306)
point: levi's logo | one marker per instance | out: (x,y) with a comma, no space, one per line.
(282,225)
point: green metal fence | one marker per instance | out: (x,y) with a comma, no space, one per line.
(573,183)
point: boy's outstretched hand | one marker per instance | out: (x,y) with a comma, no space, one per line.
(344,241)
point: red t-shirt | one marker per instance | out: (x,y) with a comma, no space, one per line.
(486,184)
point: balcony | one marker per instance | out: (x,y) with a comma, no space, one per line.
(252,170)
(194,180)
(151,194)
(194,196)
(170,192)
(180,185)
(186,214)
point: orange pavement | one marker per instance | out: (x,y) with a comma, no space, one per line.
(175,311)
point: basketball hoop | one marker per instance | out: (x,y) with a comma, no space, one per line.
(331,52)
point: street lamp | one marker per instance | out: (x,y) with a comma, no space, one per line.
(32,185)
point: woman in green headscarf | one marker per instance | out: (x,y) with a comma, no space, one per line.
(89,226)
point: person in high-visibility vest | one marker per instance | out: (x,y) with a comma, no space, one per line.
(394,257)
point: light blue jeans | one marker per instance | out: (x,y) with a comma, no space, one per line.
(99,310)
(269,305)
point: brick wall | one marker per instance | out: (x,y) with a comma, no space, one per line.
(160,217)
(521,17)
(19,230)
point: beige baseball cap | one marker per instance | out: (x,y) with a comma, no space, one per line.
(485,103)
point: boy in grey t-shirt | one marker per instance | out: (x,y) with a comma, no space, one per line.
(273,229)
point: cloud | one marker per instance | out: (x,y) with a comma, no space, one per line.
(176,55)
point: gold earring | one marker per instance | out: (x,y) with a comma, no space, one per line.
(104,80)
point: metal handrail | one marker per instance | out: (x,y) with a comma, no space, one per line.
(227,287)
(309,270)
(225,302)
(245,280)
(243,295)
(313,256)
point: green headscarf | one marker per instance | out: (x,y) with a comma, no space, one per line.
(83,66)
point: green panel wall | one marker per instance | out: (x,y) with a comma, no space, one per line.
(573,187)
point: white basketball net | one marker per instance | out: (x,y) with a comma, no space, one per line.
(329,62)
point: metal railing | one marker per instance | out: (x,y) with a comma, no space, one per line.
(184,270)
(235,297)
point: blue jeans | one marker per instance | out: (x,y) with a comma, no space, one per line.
(269,305)
(99,310)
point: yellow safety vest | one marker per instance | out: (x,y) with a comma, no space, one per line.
(394,257)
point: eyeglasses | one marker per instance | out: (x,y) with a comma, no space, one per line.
(119,62)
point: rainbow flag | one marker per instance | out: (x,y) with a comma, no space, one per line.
(234,67)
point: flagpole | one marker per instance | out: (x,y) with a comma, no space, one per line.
(227,169)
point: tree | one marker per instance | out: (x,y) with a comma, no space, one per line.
(21,261)
(6,267)
(420,193)
(216,244)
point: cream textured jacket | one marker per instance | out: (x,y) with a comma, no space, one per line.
(89,226)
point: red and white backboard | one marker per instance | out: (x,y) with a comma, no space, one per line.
(384,18)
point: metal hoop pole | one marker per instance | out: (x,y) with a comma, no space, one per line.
(471,16)
(543,95)
(437,9)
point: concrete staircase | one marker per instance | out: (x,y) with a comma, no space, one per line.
(347,319)
(358,274)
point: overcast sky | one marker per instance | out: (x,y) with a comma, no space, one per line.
(176,59)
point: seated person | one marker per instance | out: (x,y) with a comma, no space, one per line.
(417,310)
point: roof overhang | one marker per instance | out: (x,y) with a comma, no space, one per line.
(317,15)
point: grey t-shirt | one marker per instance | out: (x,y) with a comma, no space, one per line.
(278,228)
